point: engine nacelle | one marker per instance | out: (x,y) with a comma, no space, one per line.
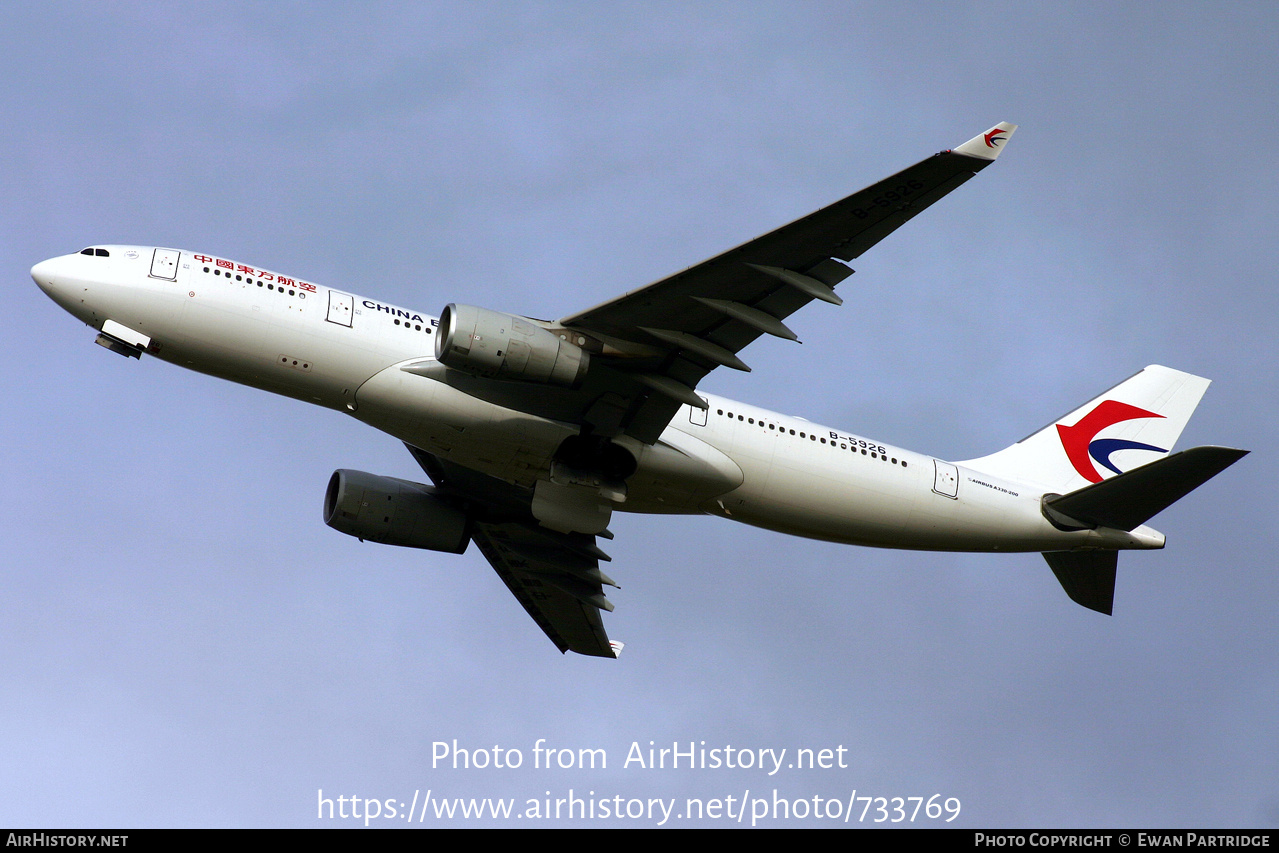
(492,344)
(393,512)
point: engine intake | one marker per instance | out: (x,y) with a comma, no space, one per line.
(393,512)
(492,344)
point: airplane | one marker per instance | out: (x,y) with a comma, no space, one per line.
(533,432)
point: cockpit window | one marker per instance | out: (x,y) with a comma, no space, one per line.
(101,253)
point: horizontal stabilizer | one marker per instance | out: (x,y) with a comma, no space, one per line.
(1128,500)
(1087,576)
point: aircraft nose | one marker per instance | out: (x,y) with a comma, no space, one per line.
(54,278)
(45,275)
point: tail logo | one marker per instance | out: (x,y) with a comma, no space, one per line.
(1083,448)
(992,138)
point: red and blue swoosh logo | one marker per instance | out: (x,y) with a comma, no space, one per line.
(1083,447)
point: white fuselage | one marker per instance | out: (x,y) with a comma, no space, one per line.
(737,461)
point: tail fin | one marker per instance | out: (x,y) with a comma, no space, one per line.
(1119,430)
(1087,576)
(1106,464)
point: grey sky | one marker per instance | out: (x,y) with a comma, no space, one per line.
(190,645)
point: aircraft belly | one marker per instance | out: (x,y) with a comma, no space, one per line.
(843,500)
(853,500)
(976,523)
(678,474)
(885,497)
(503,443)
(226,336)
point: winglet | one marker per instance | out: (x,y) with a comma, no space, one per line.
(986,146)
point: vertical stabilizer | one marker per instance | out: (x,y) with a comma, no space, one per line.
(1087,576)
(1132,424)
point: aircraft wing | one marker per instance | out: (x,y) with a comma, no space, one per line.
(673,332)
(555,576)
(648,350)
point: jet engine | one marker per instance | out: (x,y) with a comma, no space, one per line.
(393,512)
(491,344)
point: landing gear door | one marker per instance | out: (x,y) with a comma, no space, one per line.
(164,264)
(341,307)
(946,482)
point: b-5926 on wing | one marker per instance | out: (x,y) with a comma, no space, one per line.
(534,432)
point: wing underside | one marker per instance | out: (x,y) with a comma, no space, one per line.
(555,576)
(557,581)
